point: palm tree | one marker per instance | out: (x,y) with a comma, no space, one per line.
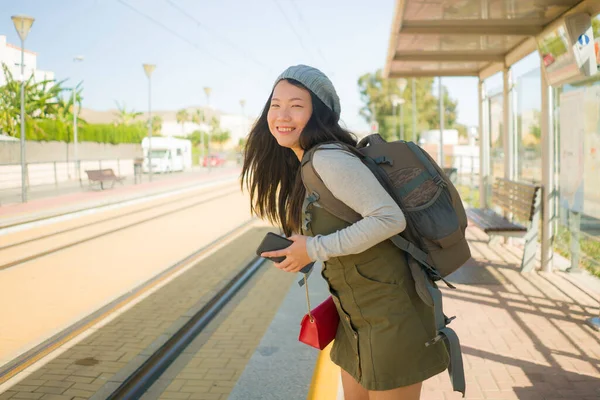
(64,113)
(156,124)
(41,99)
(182,117)
(198,117)
(126,117)
(220,137)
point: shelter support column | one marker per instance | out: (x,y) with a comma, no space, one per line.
(548,168)
(508,131)
(484,146)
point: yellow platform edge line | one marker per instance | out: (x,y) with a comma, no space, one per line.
(324,383)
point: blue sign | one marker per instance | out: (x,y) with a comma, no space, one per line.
(584,40)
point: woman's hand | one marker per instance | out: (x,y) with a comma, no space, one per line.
(296,256)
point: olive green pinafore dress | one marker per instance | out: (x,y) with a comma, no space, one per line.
(384,324)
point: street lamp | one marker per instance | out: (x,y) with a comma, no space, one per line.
(243,105)
(442,112)
(75,153)
(401,87)
(148,69)
(23,25)
(414,111)
(208,91)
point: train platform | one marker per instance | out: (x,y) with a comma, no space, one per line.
(59,202)
(523,336)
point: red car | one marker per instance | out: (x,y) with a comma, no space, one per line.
(213,160)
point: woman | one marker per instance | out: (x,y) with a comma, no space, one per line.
(384,324)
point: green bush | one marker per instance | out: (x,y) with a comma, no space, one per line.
(55,130)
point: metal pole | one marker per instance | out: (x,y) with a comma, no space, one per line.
(75,153)
(402,121)
(441,91)
(506,120)
(483,146)
(201,149)
(414,111)
(209,134)
(150,128)
(23,165)
(75,138)
(395,129)
(548,161)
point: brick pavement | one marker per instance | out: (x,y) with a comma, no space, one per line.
(217,363)
(523,335)
(99,362)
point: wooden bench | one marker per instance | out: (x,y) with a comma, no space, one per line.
(519,202)
(103,175)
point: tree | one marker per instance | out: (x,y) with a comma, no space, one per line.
(220,137)
(157,125)
(126,117)
(41,101)
(241,144)
(65,110)
(182,117)
(376,93)
(198,117)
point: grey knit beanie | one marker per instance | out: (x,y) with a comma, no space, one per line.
(317,82)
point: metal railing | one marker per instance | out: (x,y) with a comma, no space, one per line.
(579,242)
(55,172)
(463,171)
(55,176)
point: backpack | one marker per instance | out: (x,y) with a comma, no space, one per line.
(434,239)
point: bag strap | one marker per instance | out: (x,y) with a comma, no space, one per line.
(307,298)
(456,367)
(420,256)
(418,152)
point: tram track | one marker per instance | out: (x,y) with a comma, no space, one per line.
(108,205)
(208,312)
(168,202)
(56,249)
(136,384)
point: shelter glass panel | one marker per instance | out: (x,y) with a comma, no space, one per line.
(577,129)
(496,133)
(528,130)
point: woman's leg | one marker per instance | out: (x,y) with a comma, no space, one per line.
(412,392)
(352,389)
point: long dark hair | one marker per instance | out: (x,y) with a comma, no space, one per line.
(272,172)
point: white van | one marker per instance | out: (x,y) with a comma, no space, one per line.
(168,154)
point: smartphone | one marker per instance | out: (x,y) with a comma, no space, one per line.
(272,242)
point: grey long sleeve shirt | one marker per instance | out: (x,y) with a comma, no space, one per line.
(350,181)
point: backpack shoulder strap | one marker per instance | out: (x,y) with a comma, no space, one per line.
(315,186)
(456,368)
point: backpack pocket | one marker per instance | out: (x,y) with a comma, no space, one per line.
(436,220)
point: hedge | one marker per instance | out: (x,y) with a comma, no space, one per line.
(53,130)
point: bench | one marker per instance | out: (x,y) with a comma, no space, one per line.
(518,201)
(103,175)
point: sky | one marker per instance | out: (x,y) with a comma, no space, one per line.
(235,47)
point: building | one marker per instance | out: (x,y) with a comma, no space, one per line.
(11,56)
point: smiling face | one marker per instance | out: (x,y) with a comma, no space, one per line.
(291,108)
